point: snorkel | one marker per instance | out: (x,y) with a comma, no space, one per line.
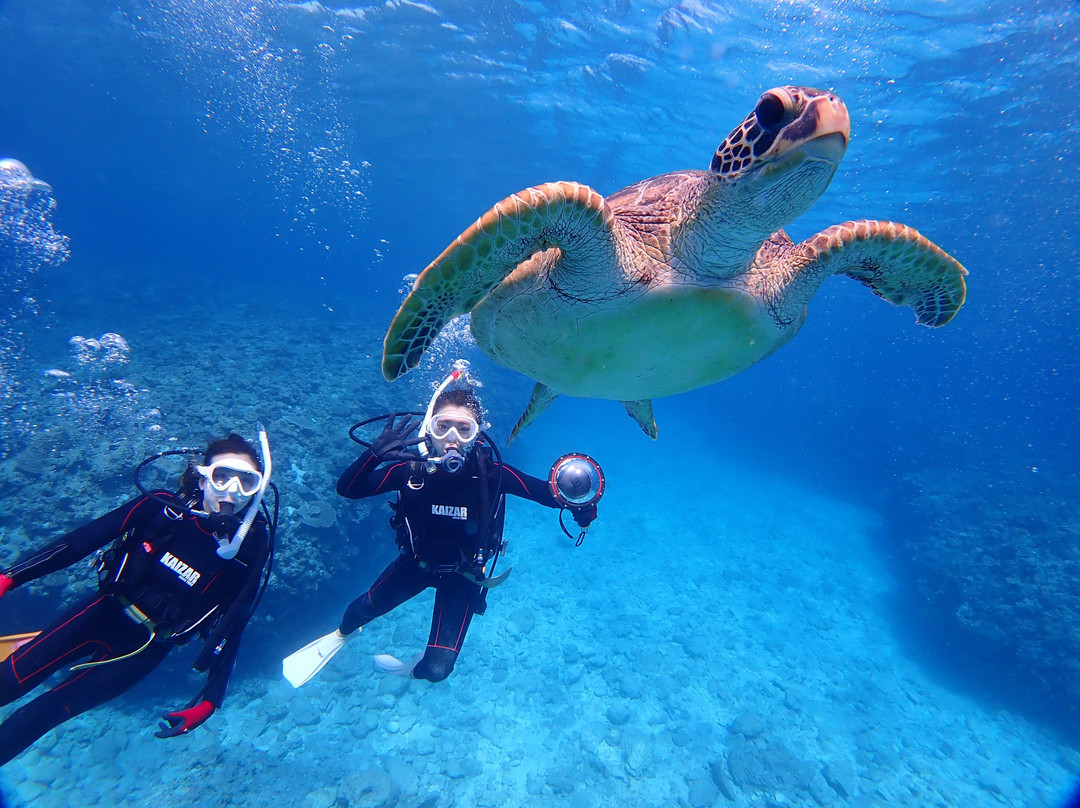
(229,549)
(454,458)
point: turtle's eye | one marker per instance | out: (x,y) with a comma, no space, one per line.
(770,112)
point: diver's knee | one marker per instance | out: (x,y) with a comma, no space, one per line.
(436,665)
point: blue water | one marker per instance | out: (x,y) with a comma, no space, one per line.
(802,584)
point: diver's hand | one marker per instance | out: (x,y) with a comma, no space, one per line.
(394,442)
(184,721)
(584,516)
(5,584)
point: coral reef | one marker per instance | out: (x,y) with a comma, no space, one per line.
(995,563)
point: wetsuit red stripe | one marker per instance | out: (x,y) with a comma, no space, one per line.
(438,631)
(456,648)
(41,638)
(382,482)
(464,619)
(208,585)
(524,487)
(77,677)
(123,525)
(359,471)
(387,574)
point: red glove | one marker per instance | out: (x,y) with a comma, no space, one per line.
(5,584)
(184,721)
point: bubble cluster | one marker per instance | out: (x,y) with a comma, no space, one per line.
(407,284)
(28,240)
(109,349)
(454,340)
(274,81)
(94,398)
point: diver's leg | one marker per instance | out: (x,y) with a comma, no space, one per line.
(74,636)
(113,635)
(399,582)
(456,600)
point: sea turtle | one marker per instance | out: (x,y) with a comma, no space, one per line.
(675,282)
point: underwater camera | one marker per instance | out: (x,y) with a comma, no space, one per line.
(576,481)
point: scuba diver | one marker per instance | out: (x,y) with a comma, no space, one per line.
(177,566)
(448,520)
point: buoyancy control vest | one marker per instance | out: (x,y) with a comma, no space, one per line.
(451,521)
(164,577)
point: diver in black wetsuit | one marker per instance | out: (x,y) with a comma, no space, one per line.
(448,520)
(173,572)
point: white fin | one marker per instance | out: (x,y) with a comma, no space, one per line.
(299,667)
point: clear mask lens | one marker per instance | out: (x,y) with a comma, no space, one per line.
(223,477)
(466,429)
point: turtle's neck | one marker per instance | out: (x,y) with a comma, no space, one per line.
(721,233)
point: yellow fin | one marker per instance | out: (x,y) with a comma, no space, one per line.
(13,642)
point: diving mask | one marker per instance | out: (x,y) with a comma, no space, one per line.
(228,476)
(463,427)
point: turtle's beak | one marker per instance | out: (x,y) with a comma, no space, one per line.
(830,147)
(832,116)
(819,154)
(822,130)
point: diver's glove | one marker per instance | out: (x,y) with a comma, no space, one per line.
(584,516)
(184,721)
(394,442)
(5,584)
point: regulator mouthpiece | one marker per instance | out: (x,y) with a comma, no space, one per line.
(576,481)
(224,523)
(453,461)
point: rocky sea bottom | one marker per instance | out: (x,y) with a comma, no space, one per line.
(735,653)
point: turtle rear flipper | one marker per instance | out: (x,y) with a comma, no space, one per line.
(895,261)
(567,215)
(541,398)
(641,411)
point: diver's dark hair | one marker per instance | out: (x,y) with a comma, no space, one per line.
(460,398)
(233,444)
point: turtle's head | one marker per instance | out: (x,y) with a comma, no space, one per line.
(782,157)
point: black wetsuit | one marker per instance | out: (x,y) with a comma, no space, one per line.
(167,566)
(446,536)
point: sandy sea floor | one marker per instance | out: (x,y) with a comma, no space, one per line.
(741,656)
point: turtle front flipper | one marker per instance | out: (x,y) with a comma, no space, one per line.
(895,261)
(567,215)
